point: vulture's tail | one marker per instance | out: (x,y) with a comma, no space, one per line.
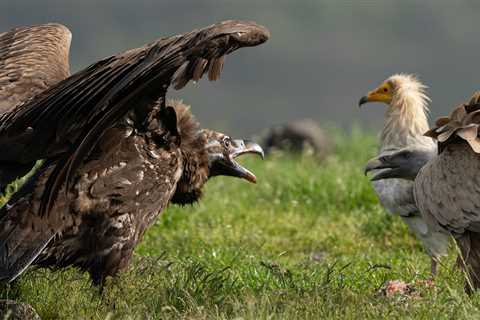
(469,260)
(20,245)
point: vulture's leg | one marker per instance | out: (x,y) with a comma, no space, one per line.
(433,267)
(109,265)
(108,246)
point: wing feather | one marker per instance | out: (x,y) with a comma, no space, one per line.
(31,60)
(70,117)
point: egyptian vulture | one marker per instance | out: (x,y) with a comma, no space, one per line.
(116,153)
(405,123)
(447,184)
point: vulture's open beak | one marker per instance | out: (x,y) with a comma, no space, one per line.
(227,166)
(391,170)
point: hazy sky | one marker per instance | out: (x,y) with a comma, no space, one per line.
(322,56)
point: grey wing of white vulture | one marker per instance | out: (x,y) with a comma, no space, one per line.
(32,59)
(397,196)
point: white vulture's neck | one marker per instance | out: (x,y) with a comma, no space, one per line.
(406,117)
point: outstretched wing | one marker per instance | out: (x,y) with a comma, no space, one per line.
(69,118)
(31,60)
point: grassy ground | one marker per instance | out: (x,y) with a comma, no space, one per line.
(309,241)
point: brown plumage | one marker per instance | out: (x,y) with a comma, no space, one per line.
(67,120)
(116,153)
(115,195)
(32,59)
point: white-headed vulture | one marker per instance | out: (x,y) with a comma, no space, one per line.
(405,123)
(116,153)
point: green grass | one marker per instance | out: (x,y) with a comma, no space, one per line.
(309,241)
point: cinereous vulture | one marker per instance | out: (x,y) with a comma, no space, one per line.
(447,184)
(116,153)
(405,123)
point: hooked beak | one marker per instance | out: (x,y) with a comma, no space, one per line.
(226,164)
(377,95)
(363,100)
(378,164)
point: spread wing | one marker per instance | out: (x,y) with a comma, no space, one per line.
(66,121)
(31,60)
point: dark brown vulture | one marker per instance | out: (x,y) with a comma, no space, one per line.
(447,185)
(115,153)
(32,59)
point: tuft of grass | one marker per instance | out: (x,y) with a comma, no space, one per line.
(309,241)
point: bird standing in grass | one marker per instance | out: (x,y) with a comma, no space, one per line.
(118,193)
(405,125)
(116,153)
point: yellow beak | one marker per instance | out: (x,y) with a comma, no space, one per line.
(376,95)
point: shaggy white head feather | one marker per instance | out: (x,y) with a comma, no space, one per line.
(406,117)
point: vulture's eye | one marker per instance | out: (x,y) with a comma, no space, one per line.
(226,142)
(385,89)
(407,155)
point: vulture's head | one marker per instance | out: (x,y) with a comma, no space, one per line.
(406,115)
(403,164)
(222,152)
(206,153)
(400,90)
